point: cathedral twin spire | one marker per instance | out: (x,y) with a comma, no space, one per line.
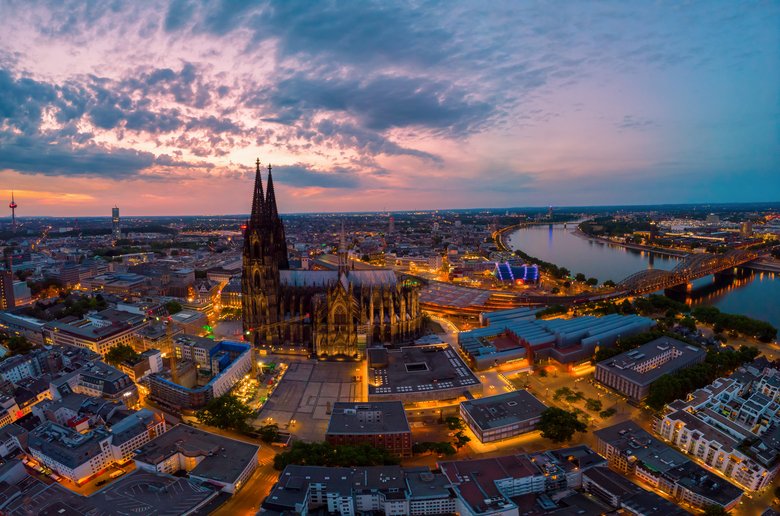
(263,206)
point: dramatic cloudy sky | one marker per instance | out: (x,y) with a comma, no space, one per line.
(162,107)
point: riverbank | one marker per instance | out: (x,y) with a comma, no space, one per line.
(498,235)
(636,247)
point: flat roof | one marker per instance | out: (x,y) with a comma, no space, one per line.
(223,459)
(415,369)
(632,496)
(136,493)
(195,341)
(375,417)
(504,409)
(475,480)
(632,440)
(628,364)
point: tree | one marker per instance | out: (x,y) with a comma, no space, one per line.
(120,353)
(580,277)
(609,283)
(461,440)
(688,323)
(227,411)
(326,454)
(715,510)
(593,405)
(559,425)
(442,448)
(173,307)
(592,282)
(17,345)
(605,414)
(269,433)
(454,423)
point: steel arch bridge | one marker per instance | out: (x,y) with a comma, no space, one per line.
(694,266)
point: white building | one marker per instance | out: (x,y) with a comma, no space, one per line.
(79,457)
(208,457)
(715,421)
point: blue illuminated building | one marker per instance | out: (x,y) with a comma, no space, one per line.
(523,274)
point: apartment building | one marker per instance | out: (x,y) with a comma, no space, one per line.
(631,373)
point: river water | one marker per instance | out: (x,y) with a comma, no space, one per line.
(753,294)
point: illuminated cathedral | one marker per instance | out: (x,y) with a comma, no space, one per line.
(332,314)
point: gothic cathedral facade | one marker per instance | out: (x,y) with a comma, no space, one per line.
(331,314)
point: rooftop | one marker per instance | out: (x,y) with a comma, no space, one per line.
(504,409)
(634,365)
(223,459)
(65,445)
(631,495)
(368,418)
(417,369)
(293,483)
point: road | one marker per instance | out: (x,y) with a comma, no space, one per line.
(247,501)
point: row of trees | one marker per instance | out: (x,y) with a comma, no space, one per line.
(760,330)
(326,454)
(628,343)
(679,384)
(550,268)
(608,226)
(551,310)
(460,439)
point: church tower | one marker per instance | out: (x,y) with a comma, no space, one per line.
(265,252)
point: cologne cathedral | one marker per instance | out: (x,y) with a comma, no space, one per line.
(331,314)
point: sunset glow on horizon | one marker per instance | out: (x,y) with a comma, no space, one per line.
(162,108)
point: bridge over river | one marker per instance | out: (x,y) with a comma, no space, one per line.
(693,267)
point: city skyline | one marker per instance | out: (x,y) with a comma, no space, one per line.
(162,110)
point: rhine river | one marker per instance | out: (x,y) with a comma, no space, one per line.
(754,294)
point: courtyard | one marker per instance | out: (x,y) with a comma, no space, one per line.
(301,402)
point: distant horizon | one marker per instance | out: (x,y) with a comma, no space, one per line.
(765,204)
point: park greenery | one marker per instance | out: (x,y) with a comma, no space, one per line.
(715,510)
(173,307)
(568,394)
(624,344)
(460,439)
(269,433)
(560,425)
(16,344)
(121,353)
(610,227)
(593,405)
(747,326)
(440,448)
(680,383)
(551,310)
(227,411)
(608,413)
(66,304)
(550,268)
(326,454)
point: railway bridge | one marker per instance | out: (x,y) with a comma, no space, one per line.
(693,267)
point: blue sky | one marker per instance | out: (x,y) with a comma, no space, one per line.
(162,107)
